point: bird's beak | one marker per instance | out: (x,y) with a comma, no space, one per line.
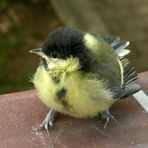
(36,51)
(39,52)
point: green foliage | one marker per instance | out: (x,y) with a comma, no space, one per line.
(3,4)
(14,75)
(12,40)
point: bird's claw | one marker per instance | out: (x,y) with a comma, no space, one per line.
(106,115)
(48,121)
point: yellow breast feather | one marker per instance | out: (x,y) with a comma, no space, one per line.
(80,93)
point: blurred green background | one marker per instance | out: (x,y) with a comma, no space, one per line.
(25,25)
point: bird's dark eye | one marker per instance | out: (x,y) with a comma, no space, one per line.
(54,54)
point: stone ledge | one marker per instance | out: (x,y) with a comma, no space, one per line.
(19,113)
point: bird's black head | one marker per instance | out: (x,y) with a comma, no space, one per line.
(64,42)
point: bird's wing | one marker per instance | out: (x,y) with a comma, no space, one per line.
(117,44)
(128,76)
(129,83)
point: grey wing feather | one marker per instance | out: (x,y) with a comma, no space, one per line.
(117,44)
(112,40)
(130,84)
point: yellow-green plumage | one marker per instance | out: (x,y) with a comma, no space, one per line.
(85,95)
(103,54)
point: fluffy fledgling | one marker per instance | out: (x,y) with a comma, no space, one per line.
(82,74)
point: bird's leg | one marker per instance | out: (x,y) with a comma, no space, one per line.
(106,115)
(48,121)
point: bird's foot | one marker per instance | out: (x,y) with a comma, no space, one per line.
(106,116)
(48,121)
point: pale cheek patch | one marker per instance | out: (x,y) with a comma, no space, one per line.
(59,65)
(51,65)
(91,42)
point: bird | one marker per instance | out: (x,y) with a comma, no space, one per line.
(82,74)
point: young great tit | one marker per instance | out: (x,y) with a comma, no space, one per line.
(82,74)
